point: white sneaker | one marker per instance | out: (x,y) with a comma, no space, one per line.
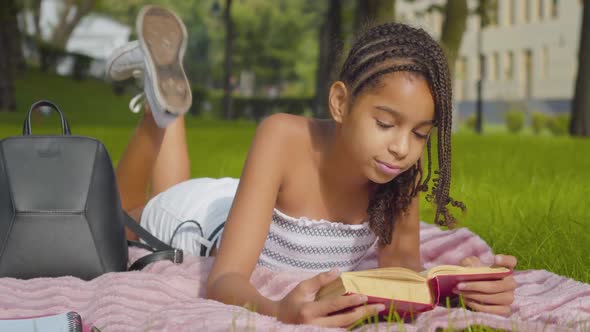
(163,39)
(156,59)
(125,62)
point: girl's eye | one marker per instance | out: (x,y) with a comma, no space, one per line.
(421,136)
(383,125)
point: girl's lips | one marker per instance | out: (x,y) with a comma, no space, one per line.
(387,169)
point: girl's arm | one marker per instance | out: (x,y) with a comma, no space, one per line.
(404,249)
(249,219)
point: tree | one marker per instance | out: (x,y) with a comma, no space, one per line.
(580,118)
(68,22)
(11,58)
(329,39)
(453,28)
(373,12)
(228,63)
(34,6)
(275,45)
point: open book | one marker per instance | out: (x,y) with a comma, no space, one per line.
(406,291)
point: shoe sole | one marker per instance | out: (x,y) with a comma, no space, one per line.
(163,38)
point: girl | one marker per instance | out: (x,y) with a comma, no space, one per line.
(314,194)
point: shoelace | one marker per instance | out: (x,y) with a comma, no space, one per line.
(136,103)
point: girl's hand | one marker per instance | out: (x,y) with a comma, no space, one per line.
(300,307)
(493,297)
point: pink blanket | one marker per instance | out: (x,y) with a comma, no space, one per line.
(167,297)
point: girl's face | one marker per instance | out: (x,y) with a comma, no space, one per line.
(387,126)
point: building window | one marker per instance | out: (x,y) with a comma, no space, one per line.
(545,62)
(526,7)
(526,73)
(540,10)
(482,69)
(495,74)
(511,15)
(461,76)
(554,8)
(509,72)
(492,14)
(461,68)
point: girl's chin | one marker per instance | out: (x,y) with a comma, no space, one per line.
(379,178)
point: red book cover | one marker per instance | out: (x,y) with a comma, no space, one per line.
(440,286)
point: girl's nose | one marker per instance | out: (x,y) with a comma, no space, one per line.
(400,147)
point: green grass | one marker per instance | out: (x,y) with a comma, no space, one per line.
(526,195)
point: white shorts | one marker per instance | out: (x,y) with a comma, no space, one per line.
(200,205)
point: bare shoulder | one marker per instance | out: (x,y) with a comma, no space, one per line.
(261,180)
(284,125)
(287,130)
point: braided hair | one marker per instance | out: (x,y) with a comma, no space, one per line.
(395,47)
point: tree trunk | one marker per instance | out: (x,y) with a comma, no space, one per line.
(228,63)
(373,12)
(37,18)
(580,118)
(329,40)
(18,58)
(453,27)
(8,26)
(63,30)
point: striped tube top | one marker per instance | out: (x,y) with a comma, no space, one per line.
(314,245)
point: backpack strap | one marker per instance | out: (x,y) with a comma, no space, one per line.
(160,250)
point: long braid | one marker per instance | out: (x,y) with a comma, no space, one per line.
(395,47)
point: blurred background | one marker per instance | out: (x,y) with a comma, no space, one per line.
(521,153)
(515,62)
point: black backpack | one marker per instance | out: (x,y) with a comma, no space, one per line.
(60,212)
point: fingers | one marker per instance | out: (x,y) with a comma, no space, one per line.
(505,298)
(471,261)
(328,306)
(502,310)
(351,317)
(506,261)
(313,285)
(507,284)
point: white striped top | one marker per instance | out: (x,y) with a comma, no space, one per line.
(314,245)
(300,244)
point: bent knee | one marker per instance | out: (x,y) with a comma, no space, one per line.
(136,213)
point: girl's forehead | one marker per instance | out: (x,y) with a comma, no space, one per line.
(402,78)
(404,92)
(402,84)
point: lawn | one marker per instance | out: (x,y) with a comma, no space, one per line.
(526,195)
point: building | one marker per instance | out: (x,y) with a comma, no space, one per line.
(529,53)
(95,36)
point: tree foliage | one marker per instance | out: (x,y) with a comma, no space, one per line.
(275,40)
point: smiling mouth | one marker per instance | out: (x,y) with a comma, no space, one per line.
(389,165)
(387,168)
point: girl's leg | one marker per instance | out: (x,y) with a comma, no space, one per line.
(137,163)
(172,164)
(136,166)
(155,158)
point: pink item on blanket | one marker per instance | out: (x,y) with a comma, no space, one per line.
(168,297)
